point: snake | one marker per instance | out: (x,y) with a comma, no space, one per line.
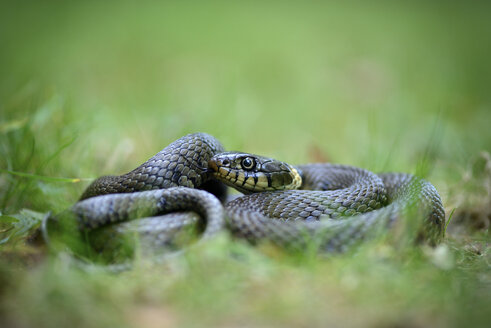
(322,206)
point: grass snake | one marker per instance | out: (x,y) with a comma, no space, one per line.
(330,207)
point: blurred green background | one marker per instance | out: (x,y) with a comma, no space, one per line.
(96,87)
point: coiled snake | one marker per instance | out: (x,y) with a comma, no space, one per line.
(336,207)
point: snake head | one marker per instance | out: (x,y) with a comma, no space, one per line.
(253,173)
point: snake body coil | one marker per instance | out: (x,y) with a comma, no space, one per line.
(336,207)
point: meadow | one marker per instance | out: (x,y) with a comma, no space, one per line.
(94,88)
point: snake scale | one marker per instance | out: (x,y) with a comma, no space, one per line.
(330,206)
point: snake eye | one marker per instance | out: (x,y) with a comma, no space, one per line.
(248,163)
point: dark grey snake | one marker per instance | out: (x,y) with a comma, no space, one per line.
(182,186)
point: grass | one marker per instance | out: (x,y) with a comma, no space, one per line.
(91,88)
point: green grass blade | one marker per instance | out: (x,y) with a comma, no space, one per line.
(44,178)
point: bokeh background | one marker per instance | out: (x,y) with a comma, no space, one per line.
(96,87)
